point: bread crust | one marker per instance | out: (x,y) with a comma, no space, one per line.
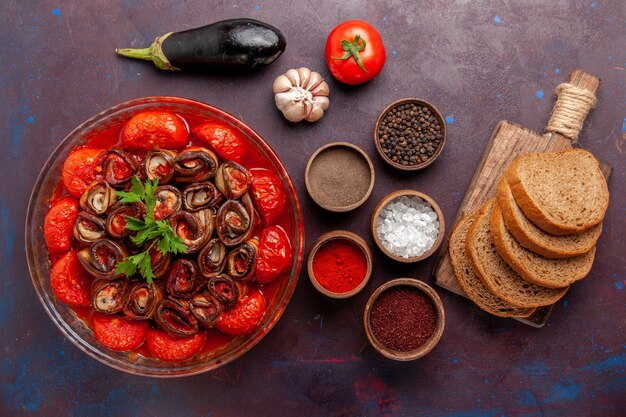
(536,240)
(533,210)
(535,268)
(472,285)
(501,280)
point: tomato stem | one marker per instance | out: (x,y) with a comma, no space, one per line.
(352,50)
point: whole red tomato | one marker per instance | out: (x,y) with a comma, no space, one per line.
(268,193)
(355,52)
(154,129)
(245,316)
(224,140)
(81,167)
(274,254)
(58,226)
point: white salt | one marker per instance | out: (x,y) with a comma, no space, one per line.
(407,226)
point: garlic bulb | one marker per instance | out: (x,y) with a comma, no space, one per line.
(301,95)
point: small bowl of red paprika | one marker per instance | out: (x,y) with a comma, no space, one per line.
(404,319)
(339,264)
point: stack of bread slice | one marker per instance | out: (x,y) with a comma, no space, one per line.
(525,247)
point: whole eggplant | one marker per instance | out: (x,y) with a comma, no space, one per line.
(240,44)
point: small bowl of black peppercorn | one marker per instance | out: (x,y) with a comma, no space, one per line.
(410,134)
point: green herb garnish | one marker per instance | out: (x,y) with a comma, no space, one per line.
(147,229)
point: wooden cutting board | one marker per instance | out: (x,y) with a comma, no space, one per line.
(507,142)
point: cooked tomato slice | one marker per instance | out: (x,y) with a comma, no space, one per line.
(117,333)
(154,129)
(274,254)
(81,167)
(223,139)
(268,193)
(70,282)
(245,316)
(170,349)
(58,226)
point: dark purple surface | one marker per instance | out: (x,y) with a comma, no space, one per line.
(478,62)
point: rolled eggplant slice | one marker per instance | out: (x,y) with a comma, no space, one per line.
(98,197)
(160,261)
(241,263)
(195,229)
(109,297)
(206,309)
(212,258)
(195,164)
(200,195)
(232,179)
(234,221)
(101,258)
(89,228)
(168,201)
(119,167)
(174,317)
(116,218)
(224,289)
(183,279)
(143,300)
(160,164)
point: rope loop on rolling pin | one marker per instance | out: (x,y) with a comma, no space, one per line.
(570,110)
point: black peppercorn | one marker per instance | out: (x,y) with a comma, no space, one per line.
(410,134)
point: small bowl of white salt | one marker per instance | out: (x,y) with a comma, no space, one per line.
(408,226)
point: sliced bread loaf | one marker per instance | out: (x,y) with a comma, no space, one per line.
(533,238)
(496,274)
(472,285)
(551,273)
(561,192)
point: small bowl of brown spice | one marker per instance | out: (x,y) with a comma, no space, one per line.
(404,319)
(410,134)
(339,176)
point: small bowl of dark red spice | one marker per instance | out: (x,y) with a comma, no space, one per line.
(339,176)
(340,264)
(404,319)
(408,226)
(410,134)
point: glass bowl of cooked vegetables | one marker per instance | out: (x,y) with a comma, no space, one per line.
(164,237)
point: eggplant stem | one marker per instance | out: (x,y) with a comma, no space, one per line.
(139,53)
(153,53)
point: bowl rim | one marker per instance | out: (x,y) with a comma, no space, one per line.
(392,196)
(340,235)
(439,149)
(99,352)
(309,186)
(432,341)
